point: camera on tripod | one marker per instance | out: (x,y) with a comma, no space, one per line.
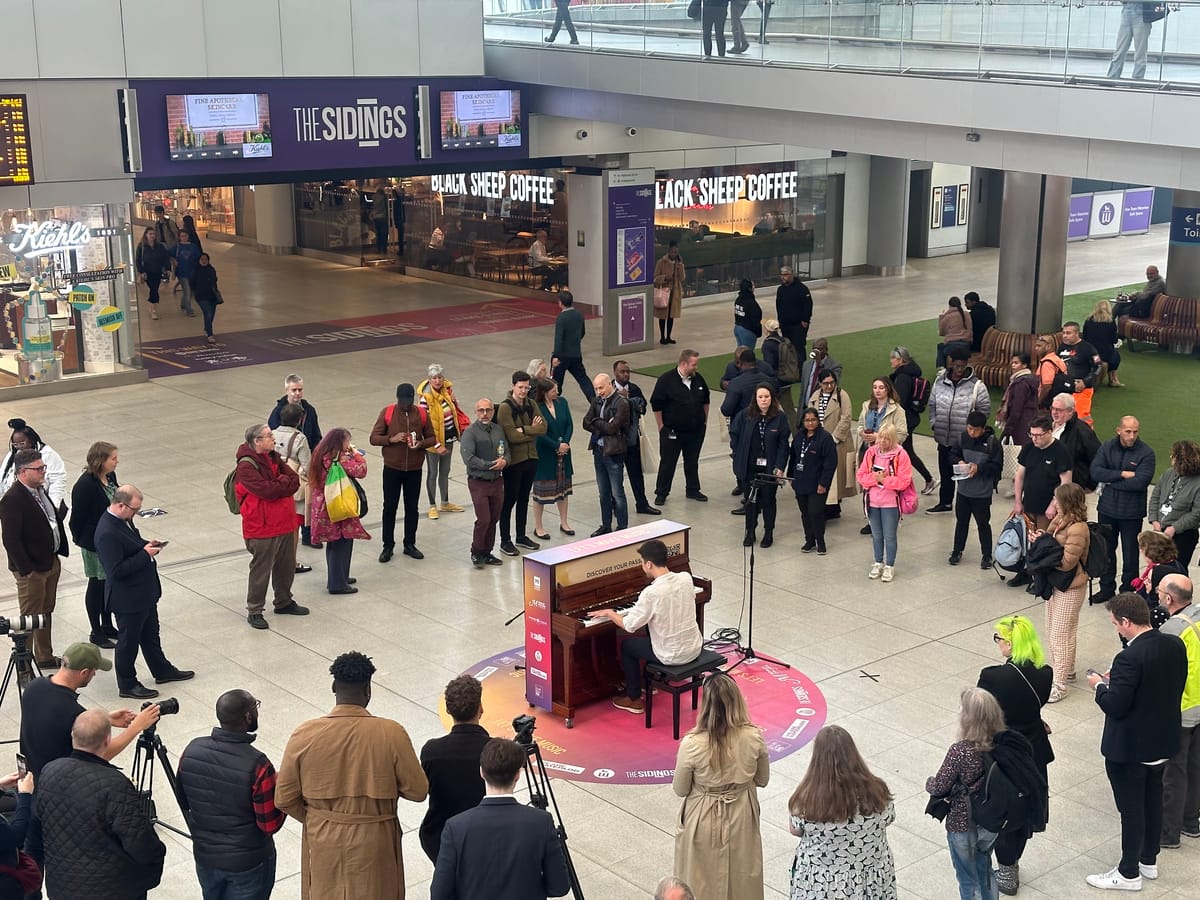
(523,726)
(22,624)
(167,707)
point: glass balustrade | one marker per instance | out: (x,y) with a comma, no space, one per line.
(1062,41)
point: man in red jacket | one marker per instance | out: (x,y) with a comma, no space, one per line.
(265,487)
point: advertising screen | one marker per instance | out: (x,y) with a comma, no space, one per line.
(218,126)
(474,120)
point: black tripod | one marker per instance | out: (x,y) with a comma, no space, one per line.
(541,795)
(21,664)
(747,650)
(149,746)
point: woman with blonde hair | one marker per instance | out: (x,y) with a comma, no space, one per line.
(841,811)
(1100,331)
(954,327)
(884,472)
(1069,528)
(960,778)
(537,369)
(1021,685)
(718,847)
(448,420)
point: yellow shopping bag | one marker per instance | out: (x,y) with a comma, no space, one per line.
(341,498)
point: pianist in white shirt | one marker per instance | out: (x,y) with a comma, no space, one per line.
(667,607)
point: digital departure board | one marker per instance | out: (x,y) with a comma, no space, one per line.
(16,159)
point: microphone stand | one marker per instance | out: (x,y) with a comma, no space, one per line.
(747,651)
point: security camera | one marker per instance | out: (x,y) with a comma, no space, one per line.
(631,131)
(581,134)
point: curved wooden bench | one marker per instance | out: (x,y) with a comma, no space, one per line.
(1172,324)
(991,364)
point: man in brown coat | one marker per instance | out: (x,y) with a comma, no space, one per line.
(341,776)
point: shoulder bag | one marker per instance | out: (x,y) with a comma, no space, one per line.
(662,296)
(693,10)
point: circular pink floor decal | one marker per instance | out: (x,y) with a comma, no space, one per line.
(608,745)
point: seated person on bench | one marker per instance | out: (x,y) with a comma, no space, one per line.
(539,263)
(668,608)
(1138,305)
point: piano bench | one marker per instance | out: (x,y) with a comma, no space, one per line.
(678,679)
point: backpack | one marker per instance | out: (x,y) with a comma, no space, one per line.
(920,395)
(1009,553)
(1062,383)
(387,414)
(999,804)
(788,369)
(1097,563)
(231,499)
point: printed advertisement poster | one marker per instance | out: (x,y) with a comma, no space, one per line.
(1079,217)
(1106,214)
(539,671)
(633,319)
(950,206)
(630,229)
(1135,213)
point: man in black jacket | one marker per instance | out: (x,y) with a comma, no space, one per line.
(1077,437)
(309,426)
(34,540)
(794,307)
(91,830)
(451,763)
(567,356)
(983,317)
(624,385)
(501,849)
(1124,468)
(133,590)
(229,791)
(680,402)
(739,393)
(1140,697)
(1083,366)
(608,420)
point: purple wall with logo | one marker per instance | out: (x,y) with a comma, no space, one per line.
(295,149)
(1079,217)
(1135,217)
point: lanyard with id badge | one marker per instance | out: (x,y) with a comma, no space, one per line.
(761,460)
(1167,505)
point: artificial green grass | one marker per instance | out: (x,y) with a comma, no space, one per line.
(1156,383)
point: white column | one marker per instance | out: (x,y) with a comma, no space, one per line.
(276,219)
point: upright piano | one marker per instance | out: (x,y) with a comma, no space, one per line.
(570,660)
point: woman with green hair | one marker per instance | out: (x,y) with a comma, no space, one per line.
(1021,685)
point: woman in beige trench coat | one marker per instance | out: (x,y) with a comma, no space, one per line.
(837,417)
(721,763)
(669,273)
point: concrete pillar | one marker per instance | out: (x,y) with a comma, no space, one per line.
(1183,255)
(1033,252)
(276,219)
(887,220)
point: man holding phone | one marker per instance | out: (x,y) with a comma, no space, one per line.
(132,590)
(49,707)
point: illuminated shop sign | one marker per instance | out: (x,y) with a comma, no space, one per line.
(686,193)
(498,185)
(367,123)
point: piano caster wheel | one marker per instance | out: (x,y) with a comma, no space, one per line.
(570,723)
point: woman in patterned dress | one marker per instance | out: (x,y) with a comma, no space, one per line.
(841,811)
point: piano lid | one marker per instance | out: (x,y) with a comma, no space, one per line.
(607,554)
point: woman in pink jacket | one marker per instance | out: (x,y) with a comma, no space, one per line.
(338,537)
(884,472)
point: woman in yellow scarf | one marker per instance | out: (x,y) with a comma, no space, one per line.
(447,420)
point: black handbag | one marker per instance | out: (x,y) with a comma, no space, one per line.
(938,807)
(693,10)
(362,495)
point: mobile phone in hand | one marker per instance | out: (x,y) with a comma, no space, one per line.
(22,765)
(160,544)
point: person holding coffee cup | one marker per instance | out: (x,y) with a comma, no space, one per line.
(403,431)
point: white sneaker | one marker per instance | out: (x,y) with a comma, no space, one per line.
(876,570)
(1148,872)
(153,313)
(889,572)
(930,487)
(1057,692)
(1113,880)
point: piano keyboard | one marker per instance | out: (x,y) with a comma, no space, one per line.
(620,605)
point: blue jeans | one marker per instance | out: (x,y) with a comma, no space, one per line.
(744,337)
(972,868)
(253,884)
(610,481)
(1132,30)
(209,309)
(885,520)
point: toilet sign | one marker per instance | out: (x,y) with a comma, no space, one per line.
(1185,225)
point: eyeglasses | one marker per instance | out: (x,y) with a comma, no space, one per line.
(1037,434)
(483,409)
(999,640)
(41,468)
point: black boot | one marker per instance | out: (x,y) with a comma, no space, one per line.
(748,540)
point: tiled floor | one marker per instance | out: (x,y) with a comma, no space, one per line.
(926,635)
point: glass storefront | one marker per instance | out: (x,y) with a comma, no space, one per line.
(735,222)
(217,210)
(476,225)
(65,292)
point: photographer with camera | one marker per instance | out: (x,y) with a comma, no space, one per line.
(34,540)
(133,591)
(90,832)
(501,849)
(50,706)
(229,791)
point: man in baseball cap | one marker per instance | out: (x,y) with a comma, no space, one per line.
(49,707)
